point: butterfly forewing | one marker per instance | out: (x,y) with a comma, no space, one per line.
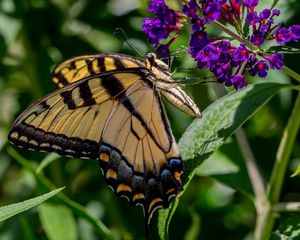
(70,121)
(81,67)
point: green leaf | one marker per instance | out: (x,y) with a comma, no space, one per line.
(164,219)
(13,209)
(51,157)
(207,134)
(283,49)
(228,167)
(222,118)
(58,221)
(297,171)
(274,3)
(290,229)
(217,164)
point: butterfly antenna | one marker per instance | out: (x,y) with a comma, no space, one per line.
(122,33)
(203,81)
(187,69)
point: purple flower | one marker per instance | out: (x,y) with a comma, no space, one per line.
(241,54)
(265,20)
(251,3)
(239,81)
(295,32)
(223,75)
(158,7)
(257,38)
(275,12)
(283,35)
(261,68)
(190,9)
(224,45)
(207,56)
(276,61)
(198,40)
(216,53)
(212,11)
(163,24)
(197,23)
(155,29)
(252,18)
(264,14)
(250,65)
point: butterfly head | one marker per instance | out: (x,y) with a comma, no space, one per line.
(158,68)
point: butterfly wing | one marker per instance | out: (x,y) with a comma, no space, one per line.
(138,152)
(115,117)
(70,121)
(81,67)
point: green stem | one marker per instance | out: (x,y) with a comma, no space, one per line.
(266,215)
(284,152)
(234,35)
(256,179)
(291,73)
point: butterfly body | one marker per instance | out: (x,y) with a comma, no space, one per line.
(108,107)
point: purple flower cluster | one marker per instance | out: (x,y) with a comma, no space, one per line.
(263,30)
(228,62)
(165,22)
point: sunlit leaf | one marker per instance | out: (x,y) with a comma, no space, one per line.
(219,121)
(217,164)
(13,209)
(290,229)
(164,219)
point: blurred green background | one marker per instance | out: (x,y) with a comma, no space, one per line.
(38,34)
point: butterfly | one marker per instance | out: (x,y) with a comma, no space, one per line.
(108,107)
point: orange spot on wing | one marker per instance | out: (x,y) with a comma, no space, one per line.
(138,196)
(104,157)
(111,174)
(177,176)
(170,191)
(123,188)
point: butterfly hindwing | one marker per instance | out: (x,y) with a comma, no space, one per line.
(138,152)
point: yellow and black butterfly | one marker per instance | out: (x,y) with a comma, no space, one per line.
(108,107)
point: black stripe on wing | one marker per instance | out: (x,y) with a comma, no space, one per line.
(86,94)
(114,88)
(24,135)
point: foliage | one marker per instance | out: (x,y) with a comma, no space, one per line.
(233,184)
(13,209)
